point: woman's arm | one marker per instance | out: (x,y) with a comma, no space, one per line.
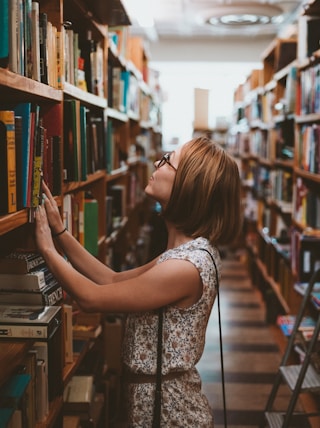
(171,282)
(78,256)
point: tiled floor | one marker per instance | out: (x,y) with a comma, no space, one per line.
(251,356)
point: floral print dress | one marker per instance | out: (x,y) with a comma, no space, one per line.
(183,403)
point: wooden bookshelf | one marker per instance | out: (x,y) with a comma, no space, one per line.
(132,129)
(281,191)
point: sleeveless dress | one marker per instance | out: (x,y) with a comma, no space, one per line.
(183,403)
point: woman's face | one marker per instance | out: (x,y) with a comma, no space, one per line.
(161,181)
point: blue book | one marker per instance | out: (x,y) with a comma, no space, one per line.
(4,33)
(125,77)
(5,416)
(13,390)
(24,110)
(83,132)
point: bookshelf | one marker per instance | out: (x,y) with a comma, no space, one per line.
(104,135)
(275,138)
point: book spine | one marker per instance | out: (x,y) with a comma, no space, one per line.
(9,153)
(28,38)
(37,167)
(23,110)
(43,20)
(23,331)
(31,281)
(4,33)
(35,42)
(13,35)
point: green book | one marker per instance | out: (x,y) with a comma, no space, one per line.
(91,226)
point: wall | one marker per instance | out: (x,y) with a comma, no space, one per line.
(218,65)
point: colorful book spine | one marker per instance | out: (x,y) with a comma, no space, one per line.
(4,33)
(31,281)
(8,202)
(23,110)
(21,262)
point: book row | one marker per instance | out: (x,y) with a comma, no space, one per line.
(30,147)
(306,205)
(33,47)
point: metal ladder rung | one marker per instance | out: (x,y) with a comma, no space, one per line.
(311,381)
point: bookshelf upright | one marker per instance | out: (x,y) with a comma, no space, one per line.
(101,128)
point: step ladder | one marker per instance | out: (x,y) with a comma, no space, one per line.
(299,378)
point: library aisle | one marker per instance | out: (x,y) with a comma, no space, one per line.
(251,355)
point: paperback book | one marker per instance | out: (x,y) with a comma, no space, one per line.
(286,323)
(32,322)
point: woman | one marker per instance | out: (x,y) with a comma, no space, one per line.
(198,188)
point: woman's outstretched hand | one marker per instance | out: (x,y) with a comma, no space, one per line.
(52,210)
(43,235)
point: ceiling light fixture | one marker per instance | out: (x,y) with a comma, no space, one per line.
(242,14)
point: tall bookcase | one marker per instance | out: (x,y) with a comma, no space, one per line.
(276,139)
(103,148)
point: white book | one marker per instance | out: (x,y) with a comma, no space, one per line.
(26,321)
(35,41)
(42,399)
(33,281)
(13,34)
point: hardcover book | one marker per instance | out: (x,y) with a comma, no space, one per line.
(33,281)
(8,203)
(20,261)
(49,296)
(4,33)
(77,395)
(34,322)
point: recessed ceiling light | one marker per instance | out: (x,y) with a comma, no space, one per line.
(241,14)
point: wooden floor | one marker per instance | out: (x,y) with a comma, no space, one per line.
(251,355)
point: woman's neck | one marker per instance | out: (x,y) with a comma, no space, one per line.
(176,237)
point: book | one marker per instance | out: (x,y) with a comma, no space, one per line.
(33,322)
(50,351)
(72,140)
(91,230)
(35,41)
(78,394)
(42,390)
(36,196)
(21,262)
(83,134)
(286,323)
(67,333)
(18,149)
(8,200)
(49,296)
(13,394)
(301,287)
(6,414)
(33,281)
(4,33)
(86,331)
(29,367)
(14,10)
(23,110)
(43,23)
(27,7)
(52,162)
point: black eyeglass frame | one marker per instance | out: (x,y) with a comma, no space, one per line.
(165,159)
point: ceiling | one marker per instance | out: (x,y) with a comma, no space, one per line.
(183,19)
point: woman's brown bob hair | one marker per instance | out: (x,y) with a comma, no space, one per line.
(206,198)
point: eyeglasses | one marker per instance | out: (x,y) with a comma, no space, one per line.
(165,159)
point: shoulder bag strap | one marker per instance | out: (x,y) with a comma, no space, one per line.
(220,340)
(157,402)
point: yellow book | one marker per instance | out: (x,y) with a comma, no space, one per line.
(8,202)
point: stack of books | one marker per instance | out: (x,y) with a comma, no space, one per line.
(287,322)
(26,280)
